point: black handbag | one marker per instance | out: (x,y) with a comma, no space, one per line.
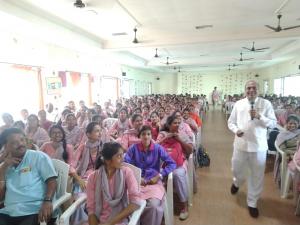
(203,157)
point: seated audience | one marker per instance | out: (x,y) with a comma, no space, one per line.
(44,123)
(287,141)
(73,132)
(154,124)
(121,125)
(27,182)
(130,136)
(35,134)
(7,120)
(57,148)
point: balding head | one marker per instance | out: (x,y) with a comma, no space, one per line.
(251,89)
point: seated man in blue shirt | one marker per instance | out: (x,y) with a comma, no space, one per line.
(27,182)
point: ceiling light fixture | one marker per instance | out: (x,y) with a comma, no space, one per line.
(203,26)
(119,34)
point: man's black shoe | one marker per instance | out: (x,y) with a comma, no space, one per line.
(234,189)
(253,212)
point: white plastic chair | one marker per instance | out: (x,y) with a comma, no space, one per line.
(168,203)
(61,194)
(190,179)
(297,212)
(283,169)
(109,122)
(137,172)
(134,218)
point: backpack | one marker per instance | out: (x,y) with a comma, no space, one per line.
(202,157)
(272,138)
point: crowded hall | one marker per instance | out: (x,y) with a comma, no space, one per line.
(139,112)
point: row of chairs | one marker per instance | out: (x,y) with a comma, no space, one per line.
(62,196)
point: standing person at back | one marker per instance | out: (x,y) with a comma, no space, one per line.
(215,97)
(249,120)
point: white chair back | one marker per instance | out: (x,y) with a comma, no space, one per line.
(190,174)
(168,203)
(136,171)
(109,122)
(62,170)
(61,194)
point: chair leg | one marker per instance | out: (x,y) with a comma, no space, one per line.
(286,184)
(283,174)
(297,212)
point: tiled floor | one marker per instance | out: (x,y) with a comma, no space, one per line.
(214,205)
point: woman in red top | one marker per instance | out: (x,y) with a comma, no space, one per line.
(179,147)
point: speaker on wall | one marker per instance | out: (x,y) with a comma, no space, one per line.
(123,74)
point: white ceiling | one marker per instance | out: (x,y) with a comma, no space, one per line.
(169,25)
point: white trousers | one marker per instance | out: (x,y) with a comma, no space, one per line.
(250,166)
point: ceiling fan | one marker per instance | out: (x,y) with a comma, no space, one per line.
(253,49)
(135,40)
(242,59)
(156,55)
(234,65)
(230,67)
(79,4)
(279,28)
(168,63)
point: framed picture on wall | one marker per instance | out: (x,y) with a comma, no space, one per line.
(54,85)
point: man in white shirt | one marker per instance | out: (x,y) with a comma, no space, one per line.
(249,120)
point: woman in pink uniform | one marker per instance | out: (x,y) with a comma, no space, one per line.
(112,190)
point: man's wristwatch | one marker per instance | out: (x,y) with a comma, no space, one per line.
(47,199)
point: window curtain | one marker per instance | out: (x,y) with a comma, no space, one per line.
(75,78)
(91,80)
(40,88)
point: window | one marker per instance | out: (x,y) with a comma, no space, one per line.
(125,89)
(109,89)
(278,86)
(18,89)
(266,87)
(291,86)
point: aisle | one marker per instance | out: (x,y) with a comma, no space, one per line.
(213,204)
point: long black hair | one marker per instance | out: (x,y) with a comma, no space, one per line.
(90,127)
(168,123)
(108,151)
(135,116)
(65,155)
